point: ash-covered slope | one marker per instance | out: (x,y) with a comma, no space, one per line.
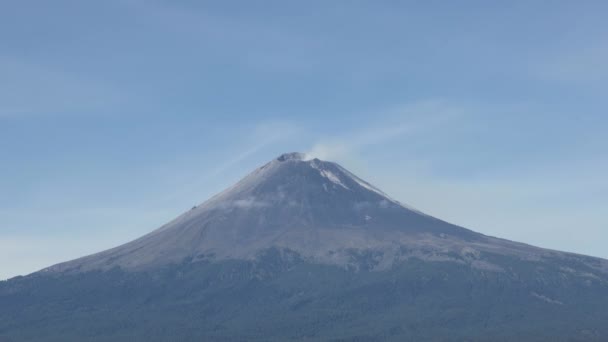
(315,208)
(303,250)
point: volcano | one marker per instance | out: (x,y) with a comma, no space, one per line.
(303,249)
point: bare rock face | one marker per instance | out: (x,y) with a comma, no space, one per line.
(317,209)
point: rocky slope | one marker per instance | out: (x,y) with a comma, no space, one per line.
(315,208)
(302,249)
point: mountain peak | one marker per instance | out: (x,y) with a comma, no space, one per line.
(315,208)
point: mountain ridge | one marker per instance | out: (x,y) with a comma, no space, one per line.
(303,250)
(315,208)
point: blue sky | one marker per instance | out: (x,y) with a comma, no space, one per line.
(116,116)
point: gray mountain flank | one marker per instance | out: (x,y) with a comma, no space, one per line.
(303,250)
(322,212)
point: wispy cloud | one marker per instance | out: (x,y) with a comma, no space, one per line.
(388,125)
(261,136)
(245,203)
(32,89)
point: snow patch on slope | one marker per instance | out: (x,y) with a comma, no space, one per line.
(546,299)
(329,175)
(333,178)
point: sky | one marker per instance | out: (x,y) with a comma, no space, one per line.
(116,116)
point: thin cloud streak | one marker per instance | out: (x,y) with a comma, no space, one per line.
(398,122)
(262,136)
